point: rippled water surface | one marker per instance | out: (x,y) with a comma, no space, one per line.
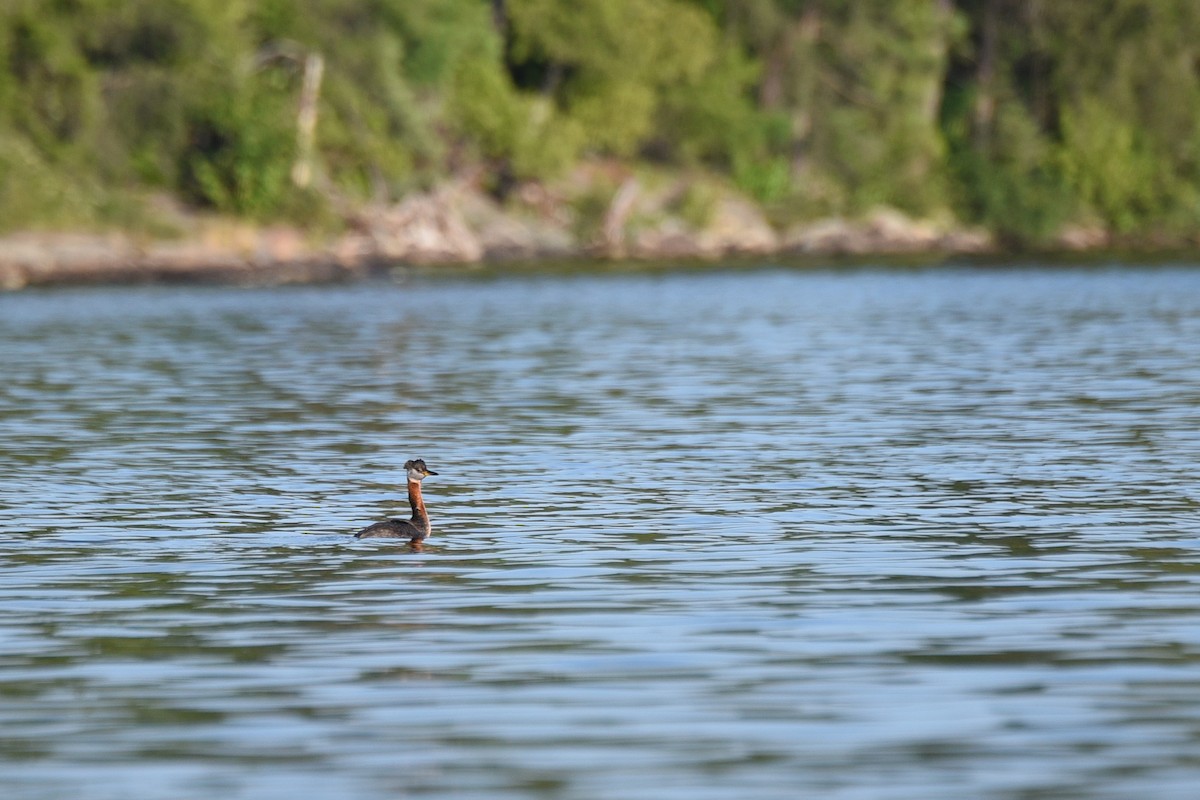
(764,534)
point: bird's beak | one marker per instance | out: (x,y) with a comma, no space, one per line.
(430,472)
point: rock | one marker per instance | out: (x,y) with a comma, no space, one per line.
(424,229)
(547,205)
(738,228)
(967,241)
(79,258)
(885,231)
(19,257)
(510,239)
(671,239)
(507,236)
(826,237)
(612,236)
(190,257)
(1082,237)
(280,244)
(354,253)
(460,224)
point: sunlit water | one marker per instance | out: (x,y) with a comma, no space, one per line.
(765,534)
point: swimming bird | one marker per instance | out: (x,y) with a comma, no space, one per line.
(416,530)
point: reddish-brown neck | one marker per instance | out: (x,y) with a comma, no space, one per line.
(414,500)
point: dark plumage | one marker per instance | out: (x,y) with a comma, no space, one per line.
(395,528)
(417,529)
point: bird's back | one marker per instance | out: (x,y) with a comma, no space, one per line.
(392,529)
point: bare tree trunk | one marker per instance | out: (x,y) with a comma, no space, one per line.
(306,119)
(618,213)
(770,93)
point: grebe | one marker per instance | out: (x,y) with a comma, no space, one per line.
(416,529)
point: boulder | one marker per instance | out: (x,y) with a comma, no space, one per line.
(1082,237)
(423,229)
(885,231)
(510,235)
(671,239)
(738,227)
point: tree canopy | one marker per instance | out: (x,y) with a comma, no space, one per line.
(1021,115)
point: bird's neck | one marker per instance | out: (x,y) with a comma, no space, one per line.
(414,500)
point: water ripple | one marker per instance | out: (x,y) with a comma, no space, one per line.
(904,534)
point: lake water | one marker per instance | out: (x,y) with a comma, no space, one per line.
(869,533)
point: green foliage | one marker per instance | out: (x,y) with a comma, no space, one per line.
(1007,177)
(1127,119)
(438,35)
(1109,166)
(200,97)
(33,193)
(56,95)
(163,32)
(611,64)
(1077,119)
(486,108)
(523,135)
(590,208)
(1022,207)
(714,119)
(241,154)
(696,204)
(885,145)
(1023,115)
(766,179)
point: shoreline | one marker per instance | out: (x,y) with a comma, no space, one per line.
(29,261)
(459,226)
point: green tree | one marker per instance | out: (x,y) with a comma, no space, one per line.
(1126,111)
(1021,114)
(610,64)
(853,91)
(996,117)
(1060,111)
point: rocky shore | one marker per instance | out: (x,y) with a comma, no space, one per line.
(461,225)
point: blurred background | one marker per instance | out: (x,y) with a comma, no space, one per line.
(1029,118)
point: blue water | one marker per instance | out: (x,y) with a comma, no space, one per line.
(867,533)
